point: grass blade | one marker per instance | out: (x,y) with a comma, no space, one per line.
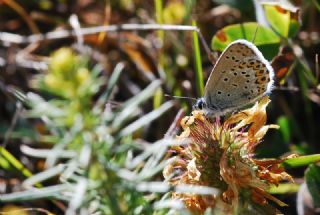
(145,119)
(29,195)
(131,105)
(111,83)
(198,63)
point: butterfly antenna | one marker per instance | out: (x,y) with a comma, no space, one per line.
(180,97)
(243,31)
(255,34)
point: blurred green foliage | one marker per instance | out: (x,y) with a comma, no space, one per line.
(284,22)
(87,104)
(264,38)
(313,182)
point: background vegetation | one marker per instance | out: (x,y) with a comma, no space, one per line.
(85,124)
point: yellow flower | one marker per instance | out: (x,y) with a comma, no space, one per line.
(221,155)
(62,62)
(174,13)
(82,75)
(52,81)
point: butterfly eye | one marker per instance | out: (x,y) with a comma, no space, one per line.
(200,104)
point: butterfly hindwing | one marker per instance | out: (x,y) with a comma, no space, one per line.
(241,76)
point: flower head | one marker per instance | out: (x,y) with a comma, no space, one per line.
(221,155)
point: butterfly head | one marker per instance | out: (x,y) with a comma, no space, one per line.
(200,104)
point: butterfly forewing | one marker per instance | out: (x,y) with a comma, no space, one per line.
(240,77)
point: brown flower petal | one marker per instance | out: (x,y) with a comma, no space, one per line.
(221,155)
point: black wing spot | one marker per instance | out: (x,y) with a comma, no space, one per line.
(225,79)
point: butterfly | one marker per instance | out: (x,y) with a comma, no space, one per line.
(240,77)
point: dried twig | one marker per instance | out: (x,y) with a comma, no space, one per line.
(23,13)
(60,34)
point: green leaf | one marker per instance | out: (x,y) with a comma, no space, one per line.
(301,161)
(294,27)
(279,21)
(264,38)
(284,20)
(284,188)
(285,130)
(312,176)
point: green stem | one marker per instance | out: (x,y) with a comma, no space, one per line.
(198,63)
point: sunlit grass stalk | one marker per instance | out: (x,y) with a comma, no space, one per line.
(157,99)
(308,73)
(301,161)
(189,5)
(198,62)
(316,3)
(160,33)
(7,159)
(306,102)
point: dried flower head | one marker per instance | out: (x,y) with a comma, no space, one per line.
(221,155)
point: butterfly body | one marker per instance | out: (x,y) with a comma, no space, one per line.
(240,77)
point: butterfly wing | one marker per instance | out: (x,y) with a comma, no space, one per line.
(240,77)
